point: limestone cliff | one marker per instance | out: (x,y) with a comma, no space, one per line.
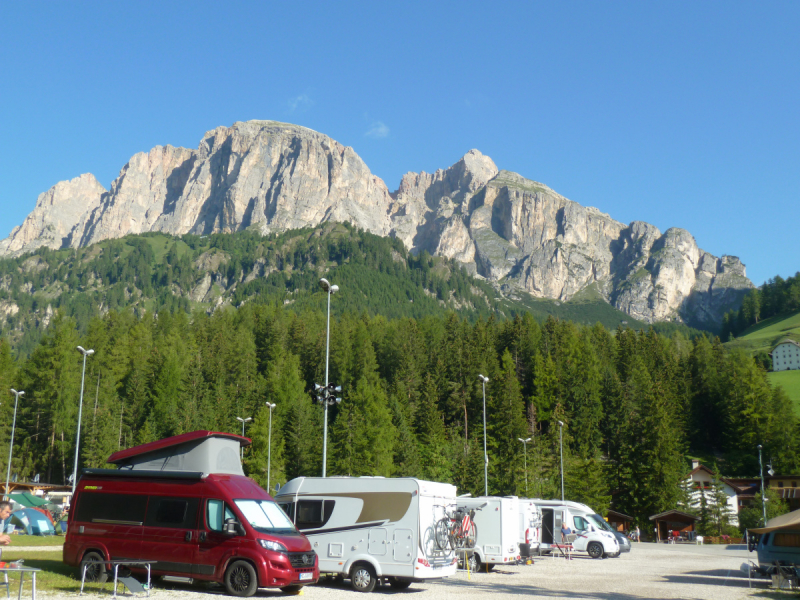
(501,226)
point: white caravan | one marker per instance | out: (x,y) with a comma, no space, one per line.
(372,528)
(592,537)
(497,524)
(530,527)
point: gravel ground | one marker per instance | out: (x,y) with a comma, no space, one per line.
(650,571)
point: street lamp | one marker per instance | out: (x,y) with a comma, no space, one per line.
(484,381)
(80,412)
(329,290)
(763,491)
(269,444)
(561,443)
(243,422)
(525,447)
(11,445)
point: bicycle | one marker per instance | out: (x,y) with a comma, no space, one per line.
(457,530)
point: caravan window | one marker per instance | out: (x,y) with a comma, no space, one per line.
(313,514)
(180,513)
(581,524)
(96,507)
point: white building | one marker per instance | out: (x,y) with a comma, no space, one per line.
(785,356)
(700,483)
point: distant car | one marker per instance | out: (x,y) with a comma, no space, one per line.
(624,542)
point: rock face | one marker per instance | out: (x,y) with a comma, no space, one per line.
(57,213)
(501,226)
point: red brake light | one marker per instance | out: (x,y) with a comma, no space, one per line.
(424,562)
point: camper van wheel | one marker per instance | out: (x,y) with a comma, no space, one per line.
(95,569)
(399,583)
(363,577)
(595,550)
(241,579)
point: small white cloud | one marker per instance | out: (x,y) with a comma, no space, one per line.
(378,130)
(302,102)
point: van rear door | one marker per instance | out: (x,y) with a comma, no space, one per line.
(169,535)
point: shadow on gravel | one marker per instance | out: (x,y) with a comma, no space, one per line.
(718,581)
(495,587)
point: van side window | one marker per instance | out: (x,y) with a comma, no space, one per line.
(312,514)
(97,507)
(217,512)
(288,508)
(180,513)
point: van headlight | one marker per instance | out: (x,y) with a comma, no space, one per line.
(274,546)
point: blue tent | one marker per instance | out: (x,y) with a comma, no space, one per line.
(32,522)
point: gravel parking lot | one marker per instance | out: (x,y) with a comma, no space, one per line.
(655,571)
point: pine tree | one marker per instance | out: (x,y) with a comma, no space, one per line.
(505,425)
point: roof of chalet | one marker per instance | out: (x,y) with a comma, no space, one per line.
(786,341)
(737,487)
(675,515)
(617,515)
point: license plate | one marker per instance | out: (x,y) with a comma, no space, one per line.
(304,576)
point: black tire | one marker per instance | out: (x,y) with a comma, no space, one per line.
(615,555)
(441,534)
(96,571)
(241,579)
(363,577)
(291,589)
(399,583)
(595,550)
(489,567)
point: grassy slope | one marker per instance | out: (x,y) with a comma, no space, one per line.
(763,337)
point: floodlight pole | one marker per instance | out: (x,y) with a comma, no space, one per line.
(329,290)
(561,444)
(11,445)
(763,490)
(484,381)
(525,450)
(243,421)
(269,444)
(80,414)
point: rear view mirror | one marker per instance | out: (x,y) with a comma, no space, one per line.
(232,527)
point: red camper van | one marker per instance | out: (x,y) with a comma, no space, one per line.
(185,502)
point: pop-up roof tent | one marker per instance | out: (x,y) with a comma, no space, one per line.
(788,521)
(198,452)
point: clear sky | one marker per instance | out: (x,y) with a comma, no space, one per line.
(682,114)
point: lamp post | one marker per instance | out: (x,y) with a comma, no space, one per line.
(80,414)
(269,444)
(243,421)
(329,290)
(484,381)
(11,445)
(561,444)
(525,450)
(763,491)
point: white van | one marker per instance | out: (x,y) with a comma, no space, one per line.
(530,527)
(371,528)
(497,523)
(593,537)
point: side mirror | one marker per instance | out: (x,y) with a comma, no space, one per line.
(752,542)
(232,527)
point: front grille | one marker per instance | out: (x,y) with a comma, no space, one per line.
(296,559)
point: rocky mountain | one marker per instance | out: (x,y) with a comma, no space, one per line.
(516,233)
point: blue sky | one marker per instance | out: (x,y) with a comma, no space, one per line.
(682,114)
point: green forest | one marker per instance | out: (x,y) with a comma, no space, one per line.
(634,403)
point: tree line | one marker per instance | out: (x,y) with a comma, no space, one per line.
(634,403)
(776,297)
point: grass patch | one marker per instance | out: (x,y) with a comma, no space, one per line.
(766,334)
(55,575)
(34,540)
(790,382)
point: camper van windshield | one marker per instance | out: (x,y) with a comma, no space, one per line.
(599,522)
(265,516)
